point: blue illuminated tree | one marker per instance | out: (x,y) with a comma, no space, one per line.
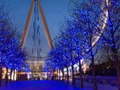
(112,34)
(90,26)
(56,59)
(86,18)
(60,56)
(76,40)
(11,55)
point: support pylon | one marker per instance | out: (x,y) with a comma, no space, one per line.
(46,30)
(27,24)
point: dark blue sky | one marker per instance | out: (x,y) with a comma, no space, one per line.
(55,12)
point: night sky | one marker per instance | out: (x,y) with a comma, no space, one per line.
(55,12)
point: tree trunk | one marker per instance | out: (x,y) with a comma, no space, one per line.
(81,75)
(14,75)
(63,75)
(67,74)
(93,74)
(6,77)
(58,74)
(94,79)
(73,77)
(11,75)
(53,75)
(0,76)
(47,75)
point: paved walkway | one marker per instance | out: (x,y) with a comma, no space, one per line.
(39,85)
